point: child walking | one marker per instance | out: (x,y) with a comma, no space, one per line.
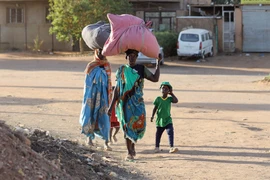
(114,124)
(163,120)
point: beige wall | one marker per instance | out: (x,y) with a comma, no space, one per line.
(158,6)
(220,33)
(204,23)
(21,36)
(140,14)
(180,13)
(238,30)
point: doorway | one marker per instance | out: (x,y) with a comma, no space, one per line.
(228,31)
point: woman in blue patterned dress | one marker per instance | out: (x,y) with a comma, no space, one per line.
(97,92)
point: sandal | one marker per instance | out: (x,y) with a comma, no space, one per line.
(129,158)
(107,148)
(115,139)
(156,150)
(133,153)
(89,142)
(173,150)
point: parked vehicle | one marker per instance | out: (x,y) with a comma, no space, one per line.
(194,42)
(142,59)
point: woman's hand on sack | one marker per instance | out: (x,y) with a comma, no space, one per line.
(159,58)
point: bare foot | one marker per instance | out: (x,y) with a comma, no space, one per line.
(129,158)
(107,147)
(114,138)
(134,153)
(89,142)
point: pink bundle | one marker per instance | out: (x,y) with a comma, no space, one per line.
(130,32)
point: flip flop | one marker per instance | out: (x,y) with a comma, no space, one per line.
(129,158)
(115,139)
(107,148)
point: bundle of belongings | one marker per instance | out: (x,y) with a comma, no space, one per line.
(123,32)
(130,32)
(95,35)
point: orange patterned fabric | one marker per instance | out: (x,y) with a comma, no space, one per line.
(139,124)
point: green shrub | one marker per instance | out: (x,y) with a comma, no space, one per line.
(37,44)
(168,41)
(267,78)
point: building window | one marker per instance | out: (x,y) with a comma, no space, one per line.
(47,12)
(15,15)
(162,21)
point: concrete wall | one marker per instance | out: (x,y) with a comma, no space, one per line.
(238,30)
(140,14)
(204,23)
(220,35)
(157,6)
(180,13)
(21,36)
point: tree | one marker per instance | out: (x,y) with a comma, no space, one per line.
(69,17)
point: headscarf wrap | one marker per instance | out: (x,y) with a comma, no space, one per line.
(101,62)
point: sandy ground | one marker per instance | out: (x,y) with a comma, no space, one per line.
(221,122)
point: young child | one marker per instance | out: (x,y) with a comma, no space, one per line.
(114,124)
(163,120)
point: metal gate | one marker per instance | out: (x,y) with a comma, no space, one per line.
(228,31)
(256,28)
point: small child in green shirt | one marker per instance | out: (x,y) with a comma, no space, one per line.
(163,120)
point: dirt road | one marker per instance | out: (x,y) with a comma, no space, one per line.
(221,122)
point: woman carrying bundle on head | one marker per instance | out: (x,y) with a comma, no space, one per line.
(97,92)
(128,96)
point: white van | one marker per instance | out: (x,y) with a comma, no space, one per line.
(194,42)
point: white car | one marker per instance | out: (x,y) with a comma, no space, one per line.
(194,42)
(142,59)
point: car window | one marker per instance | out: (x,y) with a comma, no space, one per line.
(206,36)
(209,36)
(189,37)
(202,37)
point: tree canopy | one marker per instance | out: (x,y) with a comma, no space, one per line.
(69,17)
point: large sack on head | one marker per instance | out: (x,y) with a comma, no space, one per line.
(130,32)
(95,35)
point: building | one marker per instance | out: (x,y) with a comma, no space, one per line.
(23,21)
(175,15)
(242,27)
(161,13)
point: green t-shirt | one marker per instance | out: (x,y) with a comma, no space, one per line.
(163,111)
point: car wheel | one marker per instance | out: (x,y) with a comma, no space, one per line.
(211,53)
(202,55)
